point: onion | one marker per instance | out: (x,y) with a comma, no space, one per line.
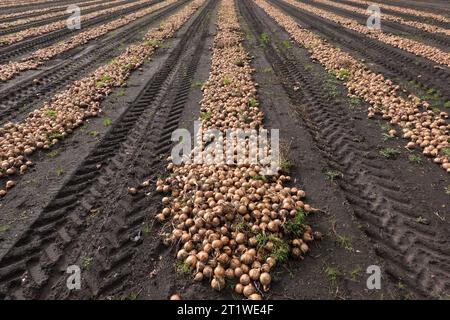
(217,283)
(304,247)
(238,272)
(229,273)
(254,274)
(255,296)
(240,238)
(265,280)
(219,271)
(239,288)
(175,297)
(10,184)
(244,279)
(198,277)
(217,244)
(246,258)
(248,290)
(207,272)
(191,261)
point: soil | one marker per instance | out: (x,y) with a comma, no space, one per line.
(73,207)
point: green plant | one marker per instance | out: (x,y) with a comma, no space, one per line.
(413,158)
(343,74)
(4,228)
(280,251)
(332,273)
(344,242)
(197,84)
(226,81)
(295,226)
(50,113)
(107,122)
(239,63)
(286,44)
(355,101)
(113,61)
(53,154)
(147,229)
(103,81)
(121,93)
(265,39)
(59,172)
(94,133)
(389,153)
(356,272)
(53,135)
(446,151)
(333,175)
(205,116)
(87,262)
(447,104)
(252,102)
(183,268)
(153,43)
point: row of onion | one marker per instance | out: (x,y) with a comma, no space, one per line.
(40,30)
(36,59)
(389,17)
(43,10)
(68,109)
(403,43)
(404,10)
(421,126)
(62,14)
(230,220)
(9,3)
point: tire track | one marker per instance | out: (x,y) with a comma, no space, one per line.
(26,95)
(417,254)
(142,133)
(396,63)
(9,52)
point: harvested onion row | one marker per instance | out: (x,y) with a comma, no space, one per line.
(9,3)
(67,110)
(9,70)
(63,14)
(419,124)
(37,31)
(232,222)
(406,44)
(384,16)
(410,11)
(44,10)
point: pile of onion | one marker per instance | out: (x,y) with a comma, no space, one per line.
(230,220)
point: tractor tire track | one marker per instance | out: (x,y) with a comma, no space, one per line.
(415,253)
(27,94)
(130,149)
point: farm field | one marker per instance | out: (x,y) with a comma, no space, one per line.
(357,181)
